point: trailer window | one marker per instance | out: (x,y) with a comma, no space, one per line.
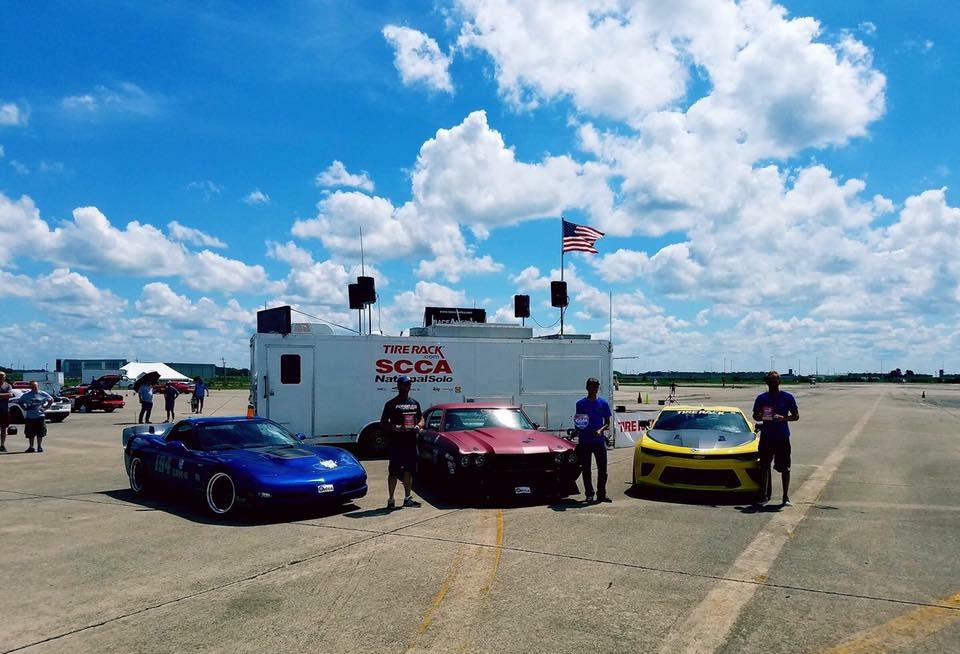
(289,368)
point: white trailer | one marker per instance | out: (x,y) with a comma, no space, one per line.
(333,387)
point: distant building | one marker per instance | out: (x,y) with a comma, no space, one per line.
(73,368)
(194,370)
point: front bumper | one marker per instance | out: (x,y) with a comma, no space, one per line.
(697,471)
(307,494)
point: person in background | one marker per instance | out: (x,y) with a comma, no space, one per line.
(592,420)
(401,420)
(773,410)
(34,402)
(199,392)
(145,393)
(6,392)
(170,395)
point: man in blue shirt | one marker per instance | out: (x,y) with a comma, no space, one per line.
(592,420)
(34,403)
(773,410)
(199,392)
(146,402)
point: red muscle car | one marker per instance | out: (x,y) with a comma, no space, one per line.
(486,448)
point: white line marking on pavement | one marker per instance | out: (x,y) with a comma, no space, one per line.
(709,624)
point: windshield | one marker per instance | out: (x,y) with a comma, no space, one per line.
(461,419)
(728,421)
(235,435)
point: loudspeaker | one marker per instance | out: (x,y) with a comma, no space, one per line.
(368,294)
(558,294)
(353,291)
(521,306)
(274,321)
(59,365)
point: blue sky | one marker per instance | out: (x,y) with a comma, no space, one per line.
(775,180)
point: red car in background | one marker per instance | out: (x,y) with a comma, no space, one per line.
(484,449)
(185,388)
(94,396)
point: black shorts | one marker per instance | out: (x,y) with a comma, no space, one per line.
(34,428)
(4,418)
(776,450)
(402,453)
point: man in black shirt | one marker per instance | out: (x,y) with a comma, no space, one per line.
(401,420)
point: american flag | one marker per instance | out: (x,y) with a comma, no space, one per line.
(579,238)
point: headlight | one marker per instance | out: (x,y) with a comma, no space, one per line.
(480,461)
(465,460)
(572,456)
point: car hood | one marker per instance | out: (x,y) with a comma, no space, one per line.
(303,460)
(500,440)
(701,439)
(105,382)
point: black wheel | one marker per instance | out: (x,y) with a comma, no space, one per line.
(373,442)
(137,475)
(109,409)
(221,494)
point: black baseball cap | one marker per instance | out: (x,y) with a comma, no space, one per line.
(403,379)
(593,380)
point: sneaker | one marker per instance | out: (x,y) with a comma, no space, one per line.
(591,499)
(786,502)
(391,504)
(409,501)
(604,499)
(29,450)
(3,448)
(39,449)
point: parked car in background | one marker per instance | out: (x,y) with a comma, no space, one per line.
(56,412)
(95,396)
(182,386)
(482,449)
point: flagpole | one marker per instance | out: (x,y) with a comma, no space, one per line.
(562,309)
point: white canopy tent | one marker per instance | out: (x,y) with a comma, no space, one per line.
(136,368)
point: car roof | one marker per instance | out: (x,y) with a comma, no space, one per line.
(690,407)
(473,405)
(202,420)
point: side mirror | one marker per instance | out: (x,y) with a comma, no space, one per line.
(536,425)
(300,436)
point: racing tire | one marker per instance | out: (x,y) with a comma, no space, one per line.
(373,442)
(220,494)
(109,410)
(137,475)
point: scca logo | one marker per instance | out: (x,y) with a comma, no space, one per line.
(407,366)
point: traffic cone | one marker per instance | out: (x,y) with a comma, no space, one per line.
(250,412)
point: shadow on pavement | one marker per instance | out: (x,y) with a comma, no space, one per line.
(701,498)
(190,509)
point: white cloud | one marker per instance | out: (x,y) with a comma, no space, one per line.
(407,307)
(13,115)
(208,188)
(2,152)
(91,242)
(418,58)
(64,293)
(337,175)
(193,236)
(256,196)
(159,301)
(453,266)
(123,99)
(19,167)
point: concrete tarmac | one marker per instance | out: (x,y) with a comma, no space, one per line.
(865,561)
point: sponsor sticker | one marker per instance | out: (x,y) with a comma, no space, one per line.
(325,488)
(521,490)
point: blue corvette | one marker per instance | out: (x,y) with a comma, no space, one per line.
(231,462)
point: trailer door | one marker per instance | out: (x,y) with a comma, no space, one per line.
(289,388)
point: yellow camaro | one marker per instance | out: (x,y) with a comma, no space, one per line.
(699,448)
